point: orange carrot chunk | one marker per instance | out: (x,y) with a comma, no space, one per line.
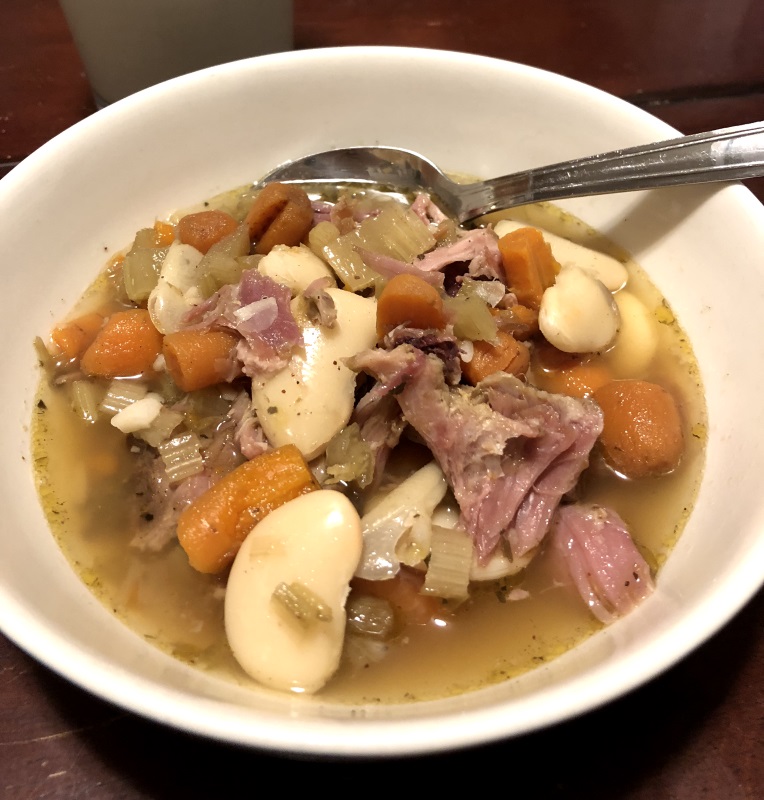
(164,233)
(642,435)
(281,214)
(581,380)
(205,228)
(568,373)
(411,300)
(71,339)
(128,344)
(507,355)
(196,359)
(212,529)
(529,265)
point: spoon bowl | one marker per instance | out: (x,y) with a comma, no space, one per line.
(728,154)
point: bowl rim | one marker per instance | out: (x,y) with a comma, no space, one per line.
(365,737)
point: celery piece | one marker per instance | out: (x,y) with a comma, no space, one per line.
(323,234)
(302,603)
(448,573)
(142,264)
(472,317)
(220,265)
(85,397)
(181,457)
(120,395)
(344,259)
(396,232)
(161,428)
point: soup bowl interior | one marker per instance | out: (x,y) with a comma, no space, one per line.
(83,195)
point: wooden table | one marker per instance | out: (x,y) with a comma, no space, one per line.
(695,732)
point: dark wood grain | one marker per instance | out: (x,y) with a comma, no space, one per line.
(696,731)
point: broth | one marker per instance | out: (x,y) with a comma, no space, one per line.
(505,629)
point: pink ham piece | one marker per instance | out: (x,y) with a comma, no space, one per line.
(426,210)
(604,563)
(257,308)
(509,452)
(480,248)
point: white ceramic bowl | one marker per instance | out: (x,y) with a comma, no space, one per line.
(93,186)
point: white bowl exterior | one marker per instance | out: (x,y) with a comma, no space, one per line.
(84,195)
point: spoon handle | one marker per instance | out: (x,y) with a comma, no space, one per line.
(728,154)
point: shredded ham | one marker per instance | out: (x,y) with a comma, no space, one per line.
(509,452)
(480,248)
(258,309)
(601,558)
(320,304)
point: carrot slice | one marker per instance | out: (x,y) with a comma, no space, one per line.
(71,339)
(127,344)
(529,265)
(507,355)
(212,529)
(164,233)
(578,380)
(642,434)
(409,299)
(204,228)
(568,373)
(281,214)
(196,359)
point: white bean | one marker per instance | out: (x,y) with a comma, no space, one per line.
(313,541)
(311,399)
(295,267)
(637,339)
(578,314)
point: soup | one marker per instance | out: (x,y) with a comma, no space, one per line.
(99,485)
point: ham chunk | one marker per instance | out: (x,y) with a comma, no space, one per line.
(258,309)
(605,565)
(509,452)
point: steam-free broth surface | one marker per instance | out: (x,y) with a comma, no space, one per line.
(506,627)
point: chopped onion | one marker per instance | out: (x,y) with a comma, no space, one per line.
(138,415)
(393,516)
(490,292)
(370,616)
(472,317)
(447,515)
(466,350)
(349,458)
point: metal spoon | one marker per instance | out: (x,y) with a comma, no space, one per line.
(723,155)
